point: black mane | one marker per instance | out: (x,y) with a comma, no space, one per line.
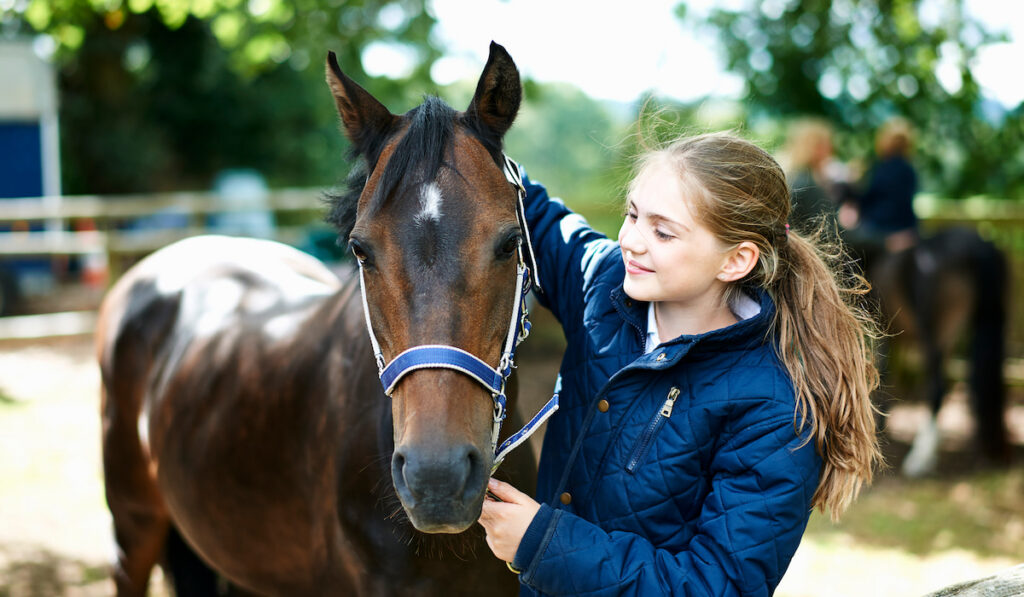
(416,160)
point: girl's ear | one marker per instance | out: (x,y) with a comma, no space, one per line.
(739,261)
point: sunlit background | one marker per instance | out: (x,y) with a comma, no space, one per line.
(161,109)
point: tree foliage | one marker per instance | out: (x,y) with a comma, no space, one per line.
(859,62)
(163,94)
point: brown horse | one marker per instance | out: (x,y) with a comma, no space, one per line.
(243,418)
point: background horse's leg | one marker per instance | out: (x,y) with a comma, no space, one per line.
(988,346)
(924,453)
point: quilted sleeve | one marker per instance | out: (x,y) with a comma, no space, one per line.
(748,530)
(569,252)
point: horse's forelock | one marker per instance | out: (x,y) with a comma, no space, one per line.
(421,152)
(416,159)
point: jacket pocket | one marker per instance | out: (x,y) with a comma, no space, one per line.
(643,444)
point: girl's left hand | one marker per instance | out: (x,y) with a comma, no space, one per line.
(506,521)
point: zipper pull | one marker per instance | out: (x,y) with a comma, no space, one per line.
(666,409)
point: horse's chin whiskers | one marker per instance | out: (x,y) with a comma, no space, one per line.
(462,546)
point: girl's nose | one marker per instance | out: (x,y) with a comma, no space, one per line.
(630,239)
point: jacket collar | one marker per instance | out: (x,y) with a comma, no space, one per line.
(743,333)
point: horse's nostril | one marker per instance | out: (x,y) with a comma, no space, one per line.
(475,474)
(402,485)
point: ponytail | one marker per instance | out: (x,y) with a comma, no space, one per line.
(825,339)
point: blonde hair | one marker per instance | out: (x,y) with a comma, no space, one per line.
(894,137)
(803,142)
(742,195)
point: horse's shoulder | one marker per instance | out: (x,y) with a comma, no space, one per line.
(201,259)
(204,284)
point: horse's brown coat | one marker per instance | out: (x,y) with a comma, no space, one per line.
(241,404)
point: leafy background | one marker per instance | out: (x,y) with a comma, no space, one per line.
(162,95)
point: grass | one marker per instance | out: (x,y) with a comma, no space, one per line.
(981,512)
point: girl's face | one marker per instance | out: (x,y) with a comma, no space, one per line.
(669,256)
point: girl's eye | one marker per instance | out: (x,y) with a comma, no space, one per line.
(661,235)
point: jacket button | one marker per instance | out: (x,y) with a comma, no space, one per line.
(602,406)
(566,498)
(629,303)
(661,357)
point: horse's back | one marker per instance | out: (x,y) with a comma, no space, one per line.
(198,305)
(202,284)
(183,342)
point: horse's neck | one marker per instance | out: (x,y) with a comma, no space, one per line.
(334,341)
(336,349)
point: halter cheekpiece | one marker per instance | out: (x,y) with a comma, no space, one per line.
(439,356)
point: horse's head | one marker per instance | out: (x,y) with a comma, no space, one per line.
(436,233)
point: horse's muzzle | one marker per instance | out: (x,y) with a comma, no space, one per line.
(441,487)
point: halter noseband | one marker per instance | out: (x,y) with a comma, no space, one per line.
(440,356)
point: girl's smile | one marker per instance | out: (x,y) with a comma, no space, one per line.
(634,268)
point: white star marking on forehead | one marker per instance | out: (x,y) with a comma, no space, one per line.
(430,201)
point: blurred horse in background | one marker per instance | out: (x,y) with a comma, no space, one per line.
(945,287)
(246,434)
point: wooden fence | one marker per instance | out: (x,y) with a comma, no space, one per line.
(999,220)
(111,217)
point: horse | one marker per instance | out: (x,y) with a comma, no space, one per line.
(247,435)
(932,293)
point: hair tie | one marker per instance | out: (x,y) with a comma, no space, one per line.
(787,228)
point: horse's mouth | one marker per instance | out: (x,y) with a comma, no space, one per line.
(441,487)
(442,516)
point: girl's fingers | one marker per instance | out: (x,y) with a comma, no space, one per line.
(504,491)
(487,512)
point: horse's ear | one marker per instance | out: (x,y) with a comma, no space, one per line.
(498,94)
(365,119)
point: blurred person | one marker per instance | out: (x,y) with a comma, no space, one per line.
(818,180)
(704,410)
(883,213)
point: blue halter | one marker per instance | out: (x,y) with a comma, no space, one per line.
(438,356)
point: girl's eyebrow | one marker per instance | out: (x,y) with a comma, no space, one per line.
(656,217)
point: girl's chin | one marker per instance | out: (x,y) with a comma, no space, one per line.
(636,291)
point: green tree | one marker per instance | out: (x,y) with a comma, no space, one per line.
(858,62)
(566,140)
(163,94)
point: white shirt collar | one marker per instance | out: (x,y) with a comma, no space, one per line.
(743,307)
(653,339)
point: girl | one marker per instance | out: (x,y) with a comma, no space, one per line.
(714,389)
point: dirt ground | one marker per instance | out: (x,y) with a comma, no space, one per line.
(902,538)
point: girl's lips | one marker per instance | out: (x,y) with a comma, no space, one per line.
(635,268)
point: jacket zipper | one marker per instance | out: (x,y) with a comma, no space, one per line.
(652,429)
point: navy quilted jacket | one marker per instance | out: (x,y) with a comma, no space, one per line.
(676,472)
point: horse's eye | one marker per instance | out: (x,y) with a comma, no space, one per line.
(508,248)
(361,254)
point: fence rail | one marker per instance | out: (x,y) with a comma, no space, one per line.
(110,215)
(101,207)
(1001,220)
